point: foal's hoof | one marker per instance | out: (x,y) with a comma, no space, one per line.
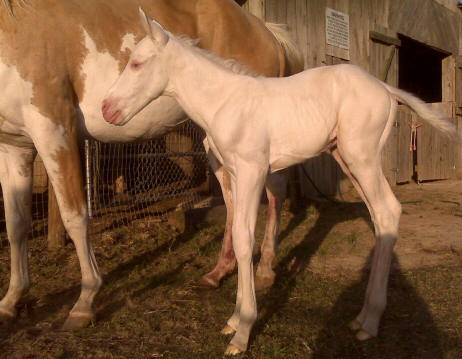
(209,281)
(233,350)
(227,331)
(262,283)
(363,335)
(354,325)
(77,321)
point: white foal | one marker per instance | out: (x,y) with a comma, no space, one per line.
(258,126)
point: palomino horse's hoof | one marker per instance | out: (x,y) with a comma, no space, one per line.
(262,283)
(77,321)
(354,325)
(6,317)
(227,330)
(209,282)
(233,350)
(363,335)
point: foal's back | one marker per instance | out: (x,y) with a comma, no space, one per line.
(305,112)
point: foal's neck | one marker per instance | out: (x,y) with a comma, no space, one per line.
(199,85)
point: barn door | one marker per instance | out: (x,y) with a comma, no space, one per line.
(396,156)
(458,110)
(436,156)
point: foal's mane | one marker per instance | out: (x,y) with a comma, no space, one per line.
(229,64)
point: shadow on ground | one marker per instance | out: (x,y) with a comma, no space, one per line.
(407,328)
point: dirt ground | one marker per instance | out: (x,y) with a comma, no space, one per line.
(430,230)
(151,306)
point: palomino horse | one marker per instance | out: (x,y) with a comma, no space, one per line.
(260,126)
(57,60)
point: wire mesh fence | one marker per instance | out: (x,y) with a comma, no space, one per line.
(131,183)
(145,181)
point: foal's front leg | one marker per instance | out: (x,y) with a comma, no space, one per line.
(246,187)
(276,192)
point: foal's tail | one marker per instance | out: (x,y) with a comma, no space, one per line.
(435,118)
(292,52)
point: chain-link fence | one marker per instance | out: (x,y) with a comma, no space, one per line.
(129,183)
(143,182)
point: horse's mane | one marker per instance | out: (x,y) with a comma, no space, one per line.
(8,5)
(229,64)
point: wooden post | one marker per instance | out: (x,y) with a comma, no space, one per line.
(56,230)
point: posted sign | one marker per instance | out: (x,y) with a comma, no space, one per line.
(337,29)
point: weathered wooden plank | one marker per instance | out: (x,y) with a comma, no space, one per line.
(459,150)
(435,154)
(416,19)
(56,230)
(404,152)
(385,39)
(271,10)
(458,84)
(40,176)
(390,156)
(301,28)
(448,79)
(316,32)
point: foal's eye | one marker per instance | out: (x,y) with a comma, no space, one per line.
(135,65)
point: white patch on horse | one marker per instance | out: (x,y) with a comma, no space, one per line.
(128,42)
(16,95)
(99,70)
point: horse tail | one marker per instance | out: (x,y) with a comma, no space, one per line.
(433,117)
(292,53)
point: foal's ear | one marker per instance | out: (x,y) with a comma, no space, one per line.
(145,22)
(153,29)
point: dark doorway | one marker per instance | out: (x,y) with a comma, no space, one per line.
(420,69)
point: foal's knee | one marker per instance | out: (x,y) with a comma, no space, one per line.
(242,244)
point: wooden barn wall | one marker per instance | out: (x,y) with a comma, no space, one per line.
(433,22)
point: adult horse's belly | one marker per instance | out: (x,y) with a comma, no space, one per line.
(154,120)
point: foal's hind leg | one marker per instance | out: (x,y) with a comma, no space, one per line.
(16,179)
(227,260)
(276,192)
(385,210)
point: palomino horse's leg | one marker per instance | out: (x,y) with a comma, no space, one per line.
(16,165)
(276,192)
(227,260)
(58,148)
(247,188)
(385,211)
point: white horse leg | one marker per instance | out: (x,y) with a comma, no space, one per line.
(16,166)
(276,192)
(227,260)
(385,211)
(247,188)
(353,180)
(59,151)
